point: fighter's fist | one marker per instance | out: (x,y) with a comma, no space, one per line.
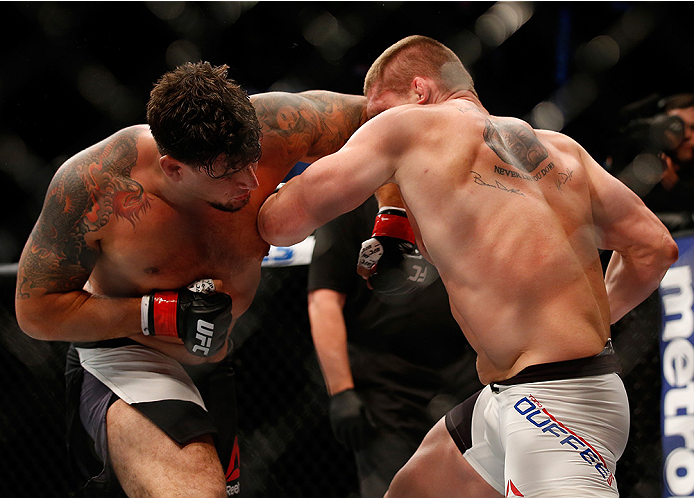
(197,315)
(390,260)
(392,232)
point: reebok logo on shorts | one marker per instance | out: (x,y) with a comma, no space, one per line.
(234,470)
(534,413)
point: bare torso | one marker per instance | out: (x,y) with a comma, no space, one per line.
(120,221)
(148,244)
(167,249)
(505,215)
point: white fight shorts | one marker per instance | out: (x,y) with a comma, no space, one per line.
(137,374)
(552,438)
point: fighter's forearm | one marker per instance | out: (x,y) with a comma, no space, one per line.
(176,350)
(630,279)
(389,195)
(78,316)
(330,339)
(624,291)
(83,317)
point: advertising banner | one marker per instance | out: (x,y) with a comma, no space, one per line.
(677,360)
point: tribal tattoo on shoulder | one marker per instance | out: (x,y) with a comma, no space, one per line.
(82,197)
(319,122)
(514,143)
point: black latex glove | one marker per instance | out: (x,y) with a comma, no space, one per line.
(350,420)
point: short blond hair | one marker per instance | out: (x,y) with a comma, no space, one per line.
(418,56)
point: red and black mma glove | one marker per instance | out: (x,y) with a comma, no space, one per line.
(200,317)
(390,260)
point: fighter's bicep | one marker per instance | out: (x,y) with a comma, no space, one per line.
(57,257)
(344,180)
(328,188)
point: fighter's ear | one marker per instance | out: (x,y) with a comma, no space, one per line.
(422,87)
(171,167)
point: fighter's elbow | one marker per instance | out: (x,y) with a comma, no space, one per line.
(669,252)
(265,221)
(264,229)
(662,255)
(278,230)
(269,230)
(47,317)
(279,237)
(31,322)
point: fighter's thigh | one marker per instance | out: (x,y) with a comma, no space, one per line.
(147,462)
(438,470)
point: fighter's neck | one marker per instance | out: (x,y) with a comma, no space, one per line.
(467,96)
(157,184)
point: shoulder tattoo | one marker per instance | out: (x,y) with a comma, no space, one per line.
(514,143)
(83,195)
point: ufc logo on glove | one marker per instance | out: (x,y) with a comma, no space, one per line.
(204,335)
(201,318)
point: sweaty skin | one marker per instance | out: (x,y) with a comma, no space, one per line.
(512,218)
(108,226)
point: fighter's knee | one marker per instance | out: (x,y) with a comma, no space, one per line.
(201,485)
(212,492)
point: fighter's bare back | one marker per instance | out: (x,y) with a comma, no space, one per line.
(516,250)
(512,218)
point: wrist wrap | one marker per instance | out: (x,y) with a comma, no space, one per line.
(393,222)
(158,313)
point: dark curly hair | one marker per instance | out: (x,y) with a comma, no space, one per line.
(196,113)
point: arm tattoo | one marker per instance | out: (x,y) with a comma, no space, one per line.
(336,118)
(81,198)
(514,143)
(313,123)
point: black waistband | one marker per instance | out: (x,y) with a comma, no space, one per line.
(109,343)
(581,367)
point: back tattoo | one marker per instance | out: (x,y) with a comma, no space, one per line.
(514,143)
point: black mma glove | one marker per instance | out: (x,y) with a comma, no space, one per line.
(197,315)
(350,420)
(390,260)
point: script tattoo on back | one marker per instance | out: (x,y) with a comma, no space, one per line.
(82,197)
(514,143)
